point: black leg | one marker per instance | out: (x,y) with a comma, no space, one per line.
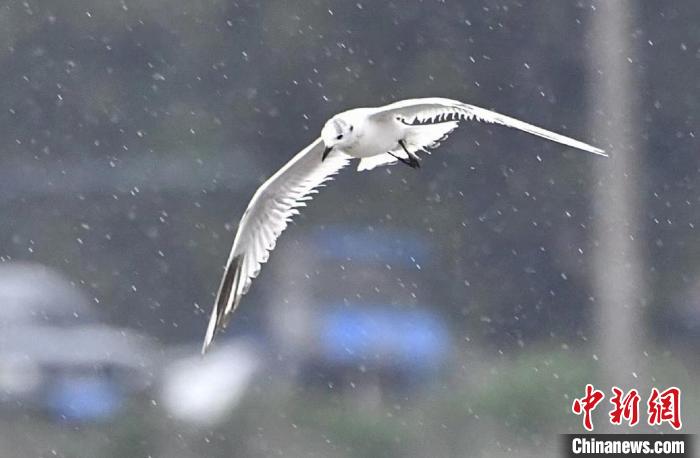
(407,162)
(412,158)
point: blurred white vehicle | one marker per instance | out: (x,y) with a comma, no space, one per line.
(55,356)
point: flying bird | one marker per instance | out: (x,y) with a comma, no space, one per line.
(377,136)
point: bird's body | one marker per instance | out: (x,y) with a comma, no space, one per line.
(376,136)
(373,138)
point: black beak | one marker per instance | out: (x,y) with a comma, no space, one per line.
(325,152)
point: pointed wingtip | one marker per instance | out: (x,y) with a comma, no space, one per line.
(208,339)
(227,299)
(586,147)
(207,343)
(599,151)
(211,330)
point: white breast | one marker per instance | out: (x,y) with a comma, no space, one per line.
(376,138)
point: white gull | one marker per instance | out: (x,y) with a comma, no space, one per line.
(376,136)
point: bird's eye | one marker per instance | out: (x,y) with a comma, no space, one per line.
(339,137)
(351,128)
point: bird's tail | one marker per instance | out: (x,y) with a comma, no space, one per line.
(227,300)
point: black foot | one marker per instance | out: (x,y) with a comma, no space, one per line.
(412,160)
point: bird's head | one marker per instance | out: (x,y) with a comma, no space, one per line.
(337,134)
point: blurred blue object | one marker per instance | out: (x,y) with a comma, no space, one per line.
(412,340)
(84,398)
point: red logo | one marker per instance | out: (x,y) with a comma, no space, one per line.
(586,405)
(626,407)
(662,407)
(665,407)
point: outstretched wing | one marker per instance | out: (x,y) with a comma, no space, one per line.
(432,110)
(271,208)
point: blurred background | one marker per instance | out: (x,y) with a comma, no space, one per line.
(451,311)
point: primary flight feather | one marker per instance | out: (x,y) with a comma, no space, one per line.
(377,136)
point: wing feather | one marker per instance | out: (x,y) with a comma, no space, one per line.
(435,109)
(270,210)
